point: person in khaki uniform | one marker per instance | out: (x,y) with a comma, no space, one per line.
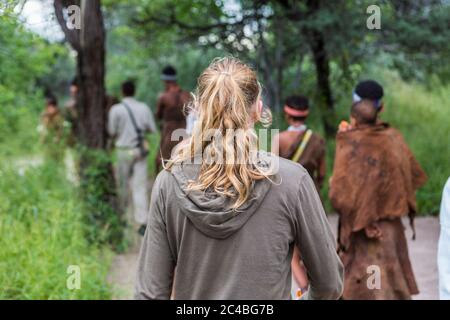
(124,121)
(301,145)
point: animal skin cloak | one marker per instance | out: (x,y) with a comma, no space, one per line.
(374,181)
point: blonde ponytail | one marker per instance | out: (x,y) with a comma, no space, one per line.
(225,102)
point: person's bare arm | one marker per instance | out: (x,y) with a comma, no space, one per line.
(298,270)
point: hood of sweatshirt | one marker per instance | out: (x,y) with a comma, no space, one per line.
(210,212)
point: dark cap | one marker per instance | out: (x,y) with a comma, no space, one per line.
(369,89)
(169,74)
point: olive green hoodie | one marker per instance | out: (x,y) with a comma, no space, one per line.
(213,252)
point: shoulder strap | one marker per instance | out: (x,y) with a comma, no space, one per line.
(302,146)
(133,121)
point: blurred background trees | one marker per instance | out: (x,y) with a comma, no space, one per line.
(289,41)
(316,48)
(313,47)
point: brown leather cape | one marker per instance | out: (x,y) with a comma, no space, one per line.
(375,177)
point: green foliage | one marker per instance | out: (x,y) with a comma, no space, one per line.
(146,64)
(19,120)
(25,58)
(32,54)
(42,220)
(104,224)
(417,33)
(42,234)
(422,115)
(153,142)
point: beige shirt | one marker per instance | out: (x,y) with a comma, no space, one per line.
(120,124)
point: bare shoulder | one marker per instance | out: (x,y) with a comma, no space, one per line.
(186,96)
(162,96)
(284,134)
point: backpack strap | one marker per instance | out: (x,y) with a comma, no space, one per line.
(302,146)
(135,126)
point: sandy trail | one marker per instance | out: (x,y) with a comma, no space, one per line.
(423,252)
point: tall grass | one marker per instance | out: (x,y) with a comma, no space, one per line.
(423,116)
(41,218)
(42,235)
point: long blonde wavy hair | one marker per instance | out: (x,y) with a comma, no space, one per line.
(226,101)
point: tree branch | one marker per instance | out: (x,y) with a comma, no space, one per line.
(172,20)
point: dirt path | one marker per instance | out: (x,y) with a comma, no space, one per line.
(123,274)
(422,251)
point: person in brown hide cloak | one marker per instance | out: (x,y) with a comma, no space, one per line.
(170,109)
(374,180)
(300,144)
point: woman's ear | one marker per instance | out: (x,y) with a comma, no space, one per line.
(257,111)
(260,106)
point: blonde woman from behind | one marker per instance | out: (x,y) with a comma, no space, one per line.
(225,217)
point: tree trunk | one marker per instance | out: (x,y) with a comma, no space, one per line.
(316,41)
(91,72)
(325,97)
(97,180)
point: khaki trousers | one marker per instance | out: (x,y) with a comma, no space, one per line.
(132,184)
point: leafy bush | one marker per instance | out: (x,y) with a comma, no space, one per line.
(97,192)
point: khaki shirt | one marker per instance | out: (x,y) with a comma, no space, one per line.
(120,124)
